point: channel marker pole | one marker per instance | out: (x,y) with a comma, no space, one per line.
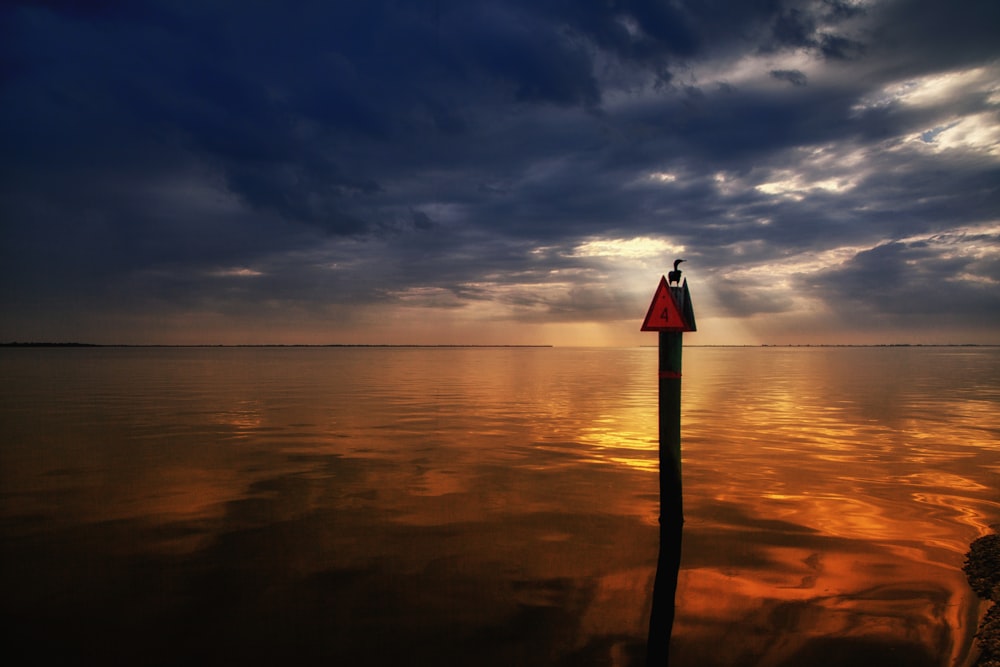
(670,314)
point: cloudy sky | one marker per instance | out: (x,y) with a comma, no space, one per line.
(506,171)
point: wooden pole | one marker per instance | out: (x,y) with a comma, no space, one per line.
(661,619)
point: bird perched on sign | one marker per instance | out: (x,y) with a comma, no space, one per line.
(675,275)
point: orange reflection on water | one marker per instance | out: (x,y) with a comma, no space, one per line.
(771,616)
(503,503)
(832,501)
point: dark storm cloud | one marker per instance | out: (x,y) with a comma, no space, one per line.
(919,283)
(922,35)
(795,27)
(792,76)
(317,153)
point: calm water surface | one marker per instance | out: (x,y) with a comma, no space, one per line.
(376,506)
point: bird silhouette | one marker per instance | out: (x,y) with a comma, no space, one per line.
(675,275)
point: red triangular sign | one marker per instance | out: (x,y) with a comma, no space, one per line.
(663,314)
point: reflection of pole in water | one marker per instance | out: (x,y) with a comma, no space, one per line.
(661,619)
(671,314)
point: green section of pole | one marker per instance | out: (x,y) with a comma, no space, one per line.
(661,619)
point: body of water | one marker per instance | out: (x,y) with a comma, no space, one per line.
(443,506)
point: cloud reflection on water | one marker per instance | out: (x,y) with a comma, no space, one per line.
(879,488)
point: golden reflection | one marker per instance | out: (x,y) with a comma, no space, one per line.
(243,418)
(940,479)
(825,494)
(847,452)
(848,596)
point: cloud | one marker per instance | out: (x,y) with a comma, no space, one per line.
(792,76)
(950,276)
(511,152)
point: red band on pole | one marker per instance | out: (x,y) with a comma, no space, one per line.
(670,375)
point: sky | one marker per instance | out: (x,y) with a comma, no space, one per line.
(498,172)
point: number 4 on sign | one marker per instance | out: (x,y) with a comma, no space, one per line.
(664,314)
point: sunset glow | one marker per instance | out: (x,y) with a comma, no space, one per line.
(498,172)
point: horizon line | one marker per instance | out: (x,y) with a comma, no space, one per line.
(21,344)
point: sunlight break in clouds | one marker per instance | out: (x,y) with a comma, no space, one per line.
(796,187)
(777,272)
(964,242)
(640,247)
(979,132)
(936,89)
(974,129)
(238,272)
(662,177)
(823,168)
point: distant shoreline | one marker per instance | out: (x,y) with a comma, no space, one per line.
(827,345)
(17,344)
(213,345)
(861,345)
